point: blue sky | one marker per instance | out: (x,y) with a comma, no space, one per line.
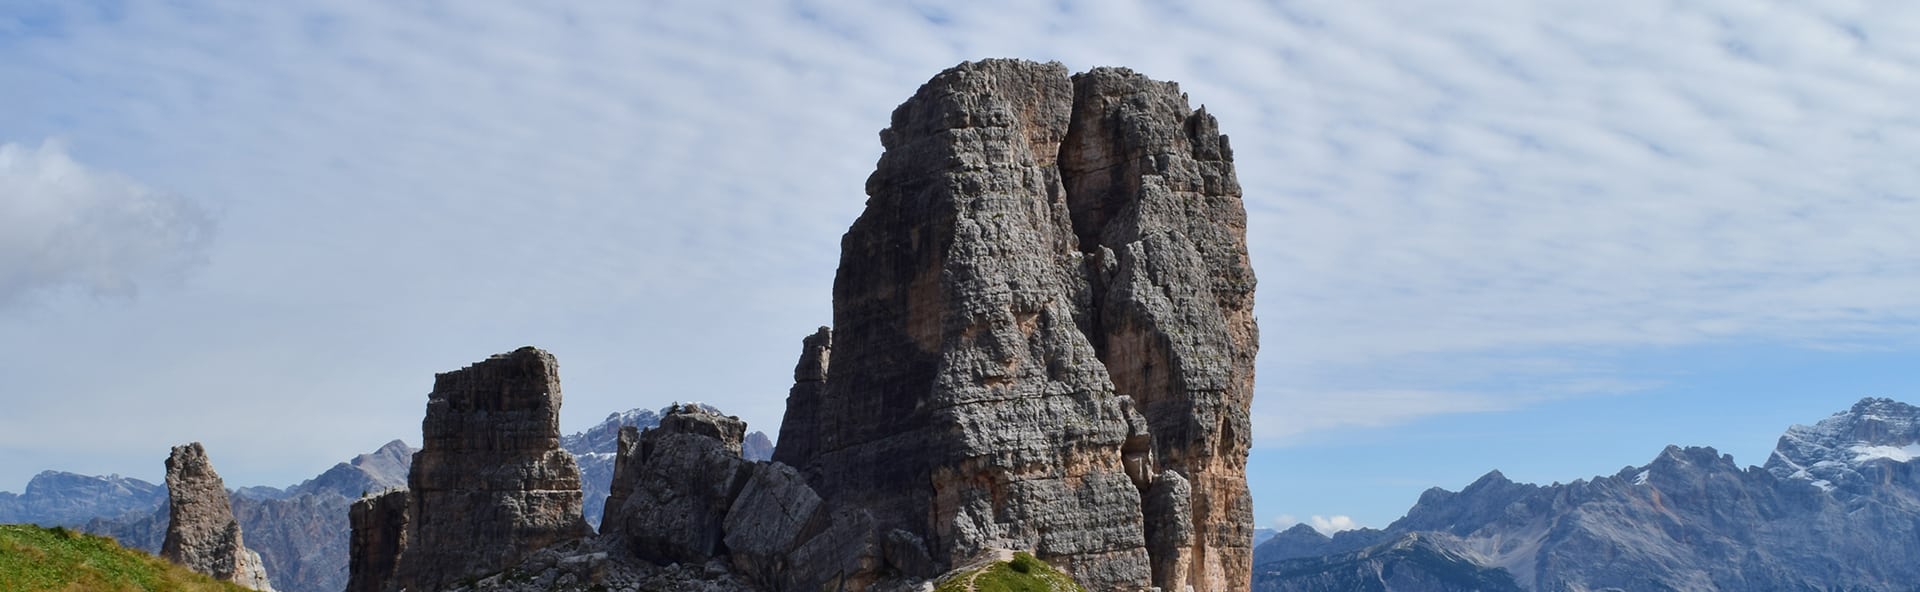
(1543,237)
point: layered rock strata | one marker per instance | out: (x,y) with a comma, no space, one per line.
(490,484)
(201,531)
(1043,334)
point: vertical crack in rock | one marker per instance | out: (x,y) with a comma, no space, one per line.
(1042,319)
(201,531)
(1154,200)
(490,484)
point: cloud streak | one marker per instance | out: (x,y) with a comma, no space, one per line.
(1453,208)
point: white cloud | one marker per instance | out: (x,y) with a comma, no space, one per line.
(64,225)
(1326,525)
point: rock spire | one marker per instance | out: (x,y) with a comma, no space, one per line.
(201,531)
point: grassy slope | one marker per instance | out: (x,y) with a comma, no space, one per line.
(1023,573)
(33,559)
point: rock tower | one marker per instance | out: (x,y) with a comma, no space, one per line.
(201,532)
(1043,334)
(1043,340)
(490,484)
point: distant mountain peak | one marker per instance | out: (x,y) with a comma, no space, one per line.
(1492,478)
(1832,509)
(1832,453)
(1303,529)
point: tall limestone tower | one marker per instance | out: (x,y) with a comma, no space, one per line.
(1043,332)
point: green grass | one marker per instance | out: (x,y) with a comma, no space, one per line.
(1025,573)
(35,559)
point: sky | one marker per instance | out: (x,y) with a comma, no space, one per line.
(1544,237)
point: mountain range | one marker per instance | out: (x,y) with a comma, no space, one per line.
(1835,507)
(300,531)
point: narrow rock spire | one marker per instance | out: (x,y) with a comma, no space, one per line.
(201,531)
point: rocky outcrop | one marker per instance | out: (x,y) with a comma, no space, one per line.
(201,531)
(1045,308)
(490,484)
(673,485)
(379,526)
(682,494)
(595,448)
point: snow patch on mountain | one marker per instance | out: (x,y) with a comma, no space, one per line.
(1893,453)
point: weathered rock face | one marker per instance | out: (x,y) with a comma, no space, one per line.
(490,484)
(379,524)
(673,485)
(201,531)
(1045,309)
(1153,194)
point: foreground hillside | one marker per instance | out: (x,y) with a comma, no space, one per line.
(34,558)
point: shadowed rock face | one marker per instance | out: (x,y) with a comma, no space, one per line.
(201,532)
(1043,318)
(379,525)
(490,484)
